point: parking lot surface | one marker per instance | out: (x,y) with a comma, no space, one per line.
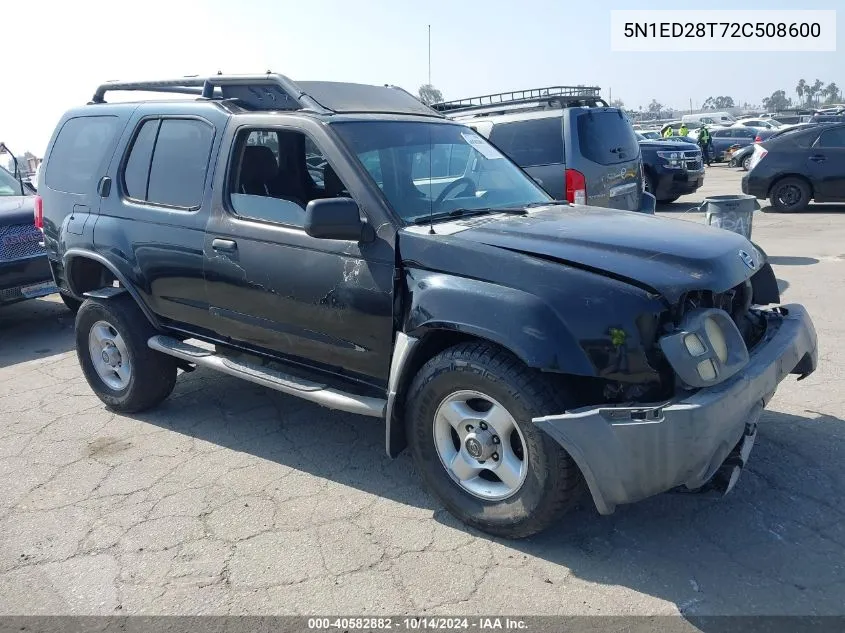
(234,499)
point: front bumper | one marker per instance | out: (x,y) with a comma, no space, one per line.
(25,279)
(678,183)
(630,453)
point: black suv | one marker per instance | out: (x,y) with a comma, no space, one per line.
(293,235)
(567,138)
(671,168)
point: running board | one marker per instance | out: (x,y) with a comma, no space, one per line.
(268,377)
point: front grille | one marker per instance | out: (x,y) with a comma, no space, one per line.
(10,294)
(19,241)
(692,160)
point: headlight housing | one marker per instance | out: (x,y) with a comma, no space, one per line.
(674,160)
(707,349)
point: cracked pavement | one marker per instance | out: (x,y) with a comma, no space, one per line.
(234,499)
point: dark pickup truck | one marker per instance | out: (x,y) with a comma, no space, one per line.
(525,349)
(671,168)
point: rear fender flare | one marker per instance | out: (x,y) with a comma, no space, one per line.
(75,254)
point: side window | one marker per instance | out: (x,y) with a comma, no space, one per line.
(532,142)
(372,163)
(136,174)
(78,152)
(274,180)
(168,162)
(834,138)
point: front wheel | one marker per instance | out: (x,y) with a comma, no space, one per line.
(469,416)
(111,344)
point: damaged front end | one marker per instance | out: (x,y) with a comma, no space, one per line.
(727,353)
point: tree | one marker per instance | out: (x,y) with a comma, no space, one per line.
(655,106)
(777,102)
(617,103)
(801,90)
(831,92)
(717,103)
(429,94)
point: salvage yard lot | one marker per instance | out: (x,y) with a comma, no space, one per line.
(231,498)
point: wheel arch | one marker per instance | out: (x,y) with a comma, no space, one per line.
(783,177)
(90,274)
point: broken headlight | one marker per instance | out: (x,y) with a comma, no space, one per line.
(707,348)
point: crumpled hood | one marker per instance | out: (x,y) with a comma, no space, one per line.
(663,255)
(17,210)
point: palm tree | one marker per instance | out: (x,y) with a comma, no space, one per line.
(818,88)
(832,92)
(800,89)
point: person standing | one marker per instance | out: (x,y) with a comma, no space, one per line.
(667,131)
(684,131)
(705,141)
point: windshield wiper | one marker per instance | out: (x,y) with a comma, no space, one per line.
(550,203)
(462,213)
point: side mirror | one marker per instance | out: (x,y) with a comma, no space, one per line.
(336,219)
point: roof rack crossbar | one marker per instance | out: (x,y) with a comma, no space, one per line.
(205,87)
(572,93)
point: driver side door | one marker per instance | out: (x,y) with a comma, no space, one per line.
(272,287)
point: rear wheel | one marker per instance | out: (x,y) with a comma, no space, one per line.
(790,194)
(111,343)
(746,162)
(469,415)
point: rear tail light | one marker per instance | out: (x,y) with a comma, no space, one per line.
(576,187)
(757,139)
(39,213)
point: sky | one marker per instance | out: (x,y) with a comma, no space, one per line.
(56,52)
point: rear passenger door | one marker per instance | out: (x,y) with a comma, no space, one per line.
(536,145)
(153,223)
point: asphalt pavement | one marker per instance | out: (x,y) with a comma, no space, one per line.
(234,499)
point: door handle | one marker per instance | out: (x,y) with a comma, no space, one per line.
(818,158)
(228,246)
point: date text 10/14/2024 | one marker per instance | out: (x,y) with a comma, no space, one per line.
(417,624)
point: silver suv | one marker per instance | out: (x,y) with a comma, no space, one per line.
(565,137)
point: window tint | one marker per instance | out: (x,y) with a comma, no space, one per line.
(277,173)
(180,163)
(720,133)
(832,138)
(606,138)
(78,153)
(137,169)
(530,143)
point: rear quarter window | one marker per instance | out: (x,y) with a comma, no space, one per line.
(78,153)
(531,143)
(606,138)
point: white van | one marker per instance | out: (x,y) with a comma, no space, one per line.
(708,118)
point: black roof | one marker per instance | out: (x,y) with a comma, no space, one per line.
(274,92)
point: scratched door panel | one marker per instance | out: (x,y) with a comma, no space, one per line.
(326,301)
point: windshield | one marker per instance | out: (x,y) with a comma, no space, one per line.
(434,168)
(9,186)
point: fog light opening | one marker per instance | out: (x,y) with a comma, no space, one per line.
(694,345)
(706,370)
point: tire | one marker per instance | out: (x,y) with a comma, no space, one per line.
(649,183)
(746,163)
(148,377)
(790,194)
(72,303)
(550,482)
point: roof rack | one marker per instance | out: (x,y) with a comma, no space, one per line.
(562,96)
(272,91)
